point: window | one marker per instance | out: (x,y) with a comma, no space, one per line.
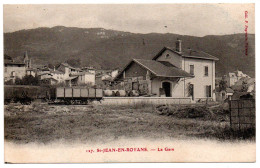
(206,71)
(167,55)
(192,69)
(13,74)
(208,91)
(5,69)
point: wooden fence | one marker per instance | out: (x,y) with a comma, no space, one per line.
(242,114)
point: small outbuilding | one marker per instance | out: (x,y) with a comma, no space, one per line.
(222,95)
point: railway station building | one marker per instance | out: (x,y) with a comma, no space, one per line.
(175,72)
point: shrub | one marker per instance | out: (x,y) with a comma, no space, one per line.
(26,80)
(9,82)
(18,81)
(30,80)
(185,111)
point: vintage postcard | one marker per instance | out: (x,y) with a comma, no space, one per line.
(102,83)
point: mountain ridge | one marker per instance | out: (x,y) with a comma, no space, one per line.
(107,49)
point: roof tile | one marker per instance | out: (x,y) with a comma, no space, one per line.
(188,53)
(160,69)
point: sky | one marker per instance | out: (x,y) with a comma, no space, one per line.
(185,19)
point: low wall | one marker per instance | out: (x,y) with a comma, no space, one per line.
(144,100)
(203,99)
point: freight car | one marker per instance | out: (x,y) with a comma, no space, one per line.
(24,94)
(68,95)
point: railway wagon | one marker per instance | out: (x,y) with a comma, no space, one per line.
(24,94)
(70,95)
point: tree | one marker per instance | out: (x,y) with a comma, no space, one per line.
(27,80)
(244,86)
(9,82)
(30,80)
(18,81)
(222,85)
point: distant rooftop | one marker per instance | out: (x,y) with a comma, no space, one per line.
(9,62)
(69,66)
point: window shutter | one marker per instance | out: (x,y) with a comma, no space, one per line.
(192,69)
(206,73)
(209,90)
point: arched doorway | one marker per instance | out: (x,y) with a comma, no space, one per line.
(167,88)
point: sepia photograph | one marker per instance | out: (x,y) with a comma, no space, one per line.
(129,83)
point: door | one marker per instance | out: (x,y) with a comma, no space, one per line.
(135,86)
(167,88)
(191,91)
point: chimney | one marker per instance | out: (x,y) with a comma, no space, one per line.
(178,45)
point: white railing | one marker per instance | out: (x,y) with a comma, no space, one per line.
(145,100)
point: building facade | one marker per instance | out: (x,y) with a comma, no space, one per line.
(76,76)
(13,69)
(233,77)
(176,73)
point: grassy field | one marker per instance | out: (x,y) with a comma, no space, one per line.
(44,123)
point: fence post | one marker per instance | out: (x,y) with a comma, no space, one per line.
(230,116)
(238,115)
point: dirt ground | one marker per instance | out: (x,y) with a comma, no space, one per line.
(45,123)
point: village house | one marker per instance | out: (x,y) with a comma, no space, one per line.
(175,72)
(76,76)
(43,71)
(58,75)
(105,78)
(13,69)
(67,69)
(110,74)
(83,78)
(17,69)
(31,71)
(114,73)
(68,75)
(45,76)
(49,80)
(89,69)
(244,84)
(51,76)
(233,77)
